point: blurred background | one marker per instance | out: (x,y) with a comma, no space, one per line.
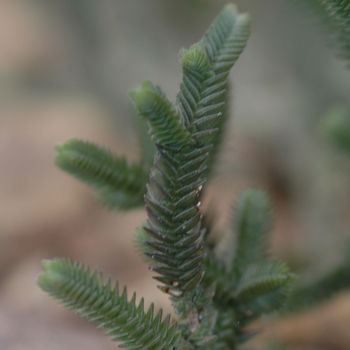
(65,70)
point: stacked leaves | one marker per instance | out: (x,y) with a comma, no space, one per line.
(183,135)
(248,282)
(213,297)
(85,292)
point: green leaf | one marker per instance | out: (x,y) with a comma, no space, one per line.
(226,329)
(218,139)
(195,70)
(141,237)
(165,126)
(117,183)
(176,179)
(251,222)
(226,38)
(218,275)
(147,147)
(206,66)
(85,292)
(263,287)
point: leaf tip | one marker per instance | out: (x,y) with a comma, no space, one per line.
(195,56)
(51,278)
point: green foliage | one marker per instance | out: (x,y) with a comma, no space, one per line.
(165,126)
(252,221)
(215,293)
(176,177)
(263,287)
(251,283)
(206,66)
(117,183)
(146,145)
(335,17)
(261,284)
(85,292)
(338,16)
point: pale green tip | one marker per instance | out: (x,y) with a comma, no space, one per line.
(51,279)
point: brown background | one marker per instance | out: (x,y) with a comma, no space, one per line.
(65,69)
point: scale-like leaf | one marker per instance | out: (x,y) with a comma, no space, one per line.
(251,222)
(217,273)
(263,287)
(85,292)
(226,329)
(147,148)
(218,139)
(165,126)
(226,38)
(212,299)
(117,183)
(196,69)
(176,179)
(206,66)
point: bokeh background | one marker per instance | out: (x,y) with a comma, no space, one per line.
(65,69)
